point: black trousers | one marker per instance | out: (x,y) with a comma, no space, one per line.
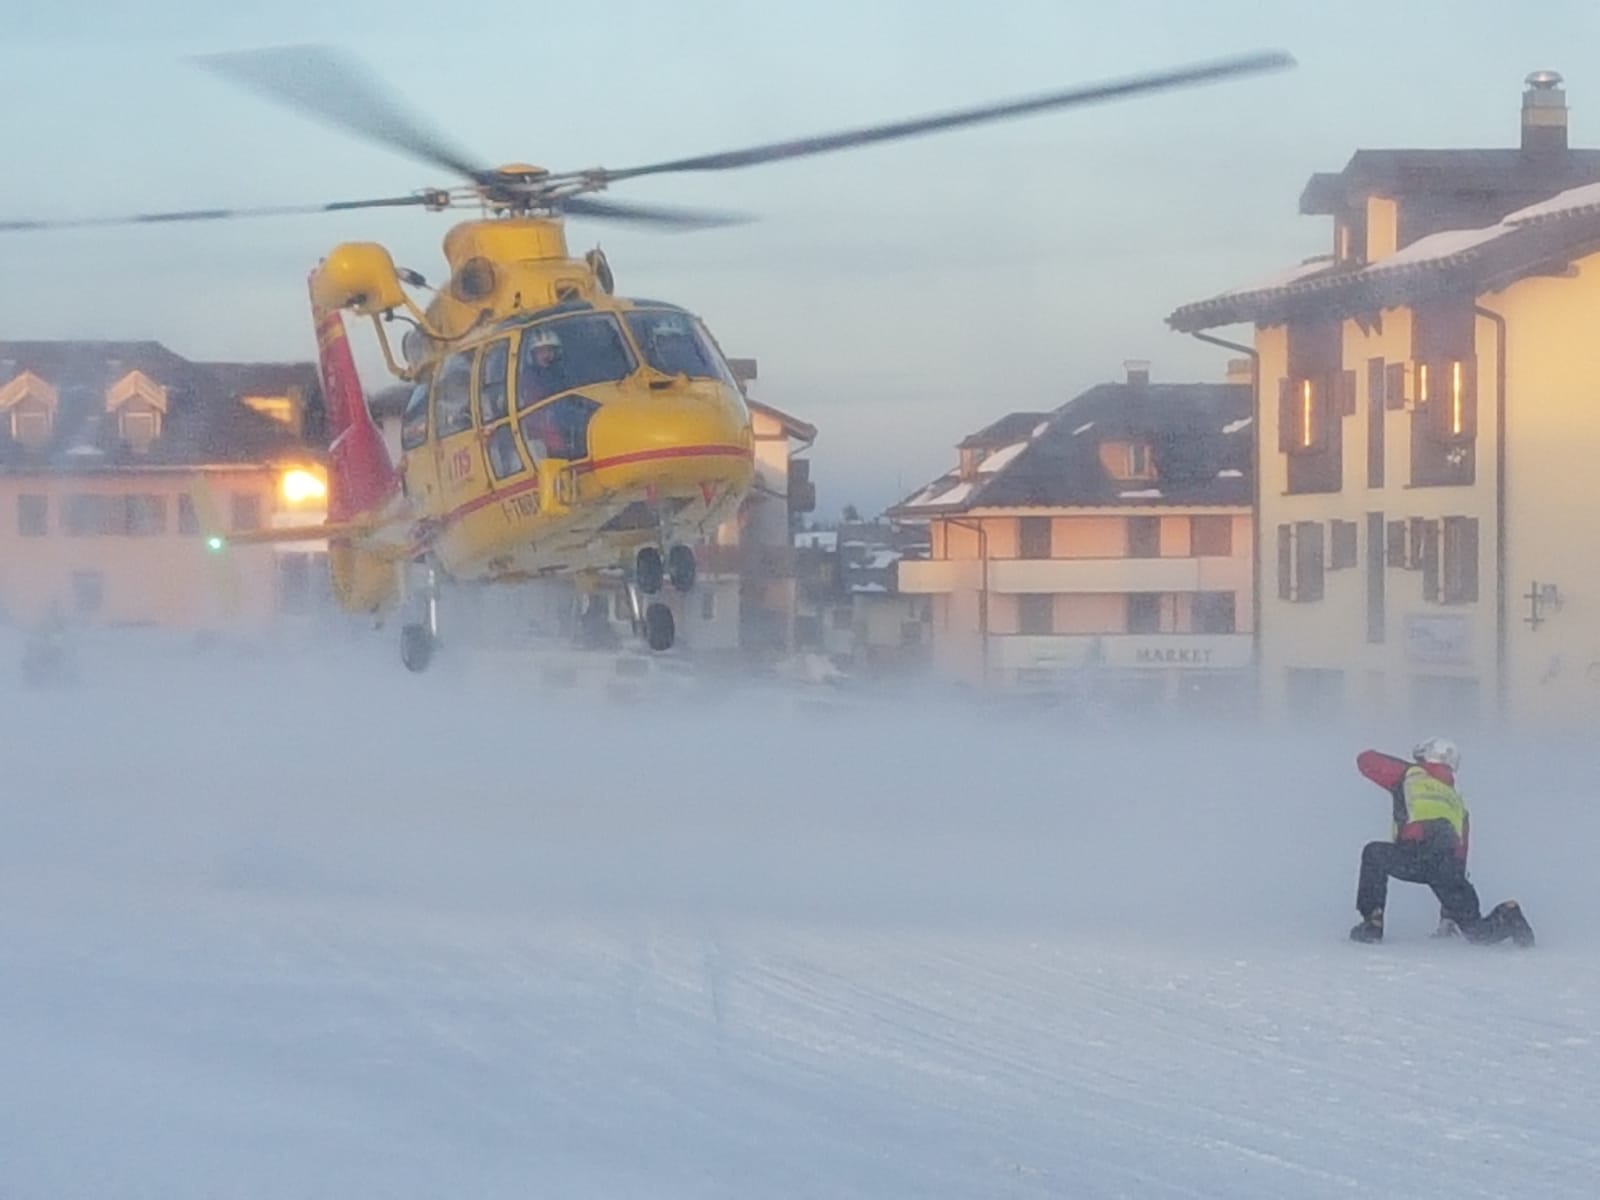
(1418,862)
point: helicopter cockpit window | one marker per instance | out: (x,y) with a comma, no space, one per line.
(570,352)
(492,364)
(674,344)
(414,423)
(452,396)
(504,457)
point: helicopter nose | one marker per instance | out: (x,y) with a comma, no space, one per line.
(670,440)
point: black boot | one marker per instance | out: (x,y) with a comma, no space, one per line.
(1370,929)
(1509,913)
(1504,921)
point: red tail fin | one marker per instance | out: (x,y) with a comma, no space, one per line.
(361,478)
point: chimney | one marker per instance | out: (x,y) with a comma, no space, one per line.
(1239,370)
(1138,370)
(1544,114)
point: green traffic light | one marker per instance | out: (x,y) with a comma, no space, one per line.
(213,543)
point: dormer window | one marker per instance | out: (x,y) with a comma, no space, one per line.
(139,426)
(31,422)
(1128,462)
(30,405)
(139,403)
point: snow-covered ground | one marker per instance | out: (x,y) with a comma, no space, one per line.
(323,929)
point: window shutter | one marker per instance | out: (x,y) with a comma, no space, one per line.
(1288,420)
(1285,562)
(1460,560)
(1469,398)
(1309,560)
(1430,561)
(1347,393)
(1396,544)
(1342,547)
(1394,386)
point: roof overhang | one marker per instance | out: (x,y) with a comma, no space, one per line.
(1520,247)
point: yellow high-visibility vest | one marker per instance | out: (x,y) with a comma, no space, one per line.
(1430,799)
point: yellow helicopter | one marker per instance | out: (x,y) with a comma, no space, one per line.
(554,428)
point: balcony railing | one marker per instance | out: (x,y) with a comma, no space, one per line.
(1122,651)
(1067,576)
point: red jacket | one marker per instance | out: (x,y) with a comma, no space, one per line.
(1388,773)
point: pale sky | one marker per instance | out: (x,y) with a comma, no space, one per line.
(898,297)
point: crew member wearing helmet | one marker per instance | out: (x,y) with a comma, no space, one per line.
(1429,845)
(544,366)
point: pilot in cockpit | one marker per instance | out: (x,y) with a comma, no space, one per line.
(544,367)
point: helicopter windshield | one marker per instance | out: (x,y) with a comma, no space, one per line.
(674,344)
(570,352)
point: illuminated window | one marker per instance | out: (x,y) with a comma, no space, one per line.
(1303,416)
(1455,399)
(1447,391)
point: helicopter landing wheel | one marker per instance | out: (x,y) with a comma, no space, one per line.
(659,629)
(681,569)
(648,570)
(416,647)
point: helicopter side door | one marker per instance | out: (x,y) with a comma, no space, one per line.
(419,473)
(508,468)
(458,453)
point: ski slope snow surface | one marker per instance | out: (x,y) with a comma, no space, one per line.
(317,928)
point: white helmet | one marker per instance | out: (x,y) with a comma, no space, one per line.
(1438,750)
(544,336)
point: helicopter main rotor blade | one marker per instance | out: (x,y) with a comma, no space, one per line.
(650,215)
(826,143)
(337,90)
(214,214)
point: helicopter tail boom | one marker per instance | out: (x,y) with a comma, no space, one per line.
(361,476)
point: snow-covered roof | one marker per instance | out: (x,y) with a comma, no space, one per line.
(1000,459)
(1236,426)
(1230,473)
(817,539)
(870,588)
(1143,494)
(881,559)
(1082,429)
(1484,257)
(1278,279)
(1437,247)
(1567,203)
(945,490)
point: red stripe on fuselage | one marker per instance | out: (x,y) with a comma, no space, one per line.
(638,456)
